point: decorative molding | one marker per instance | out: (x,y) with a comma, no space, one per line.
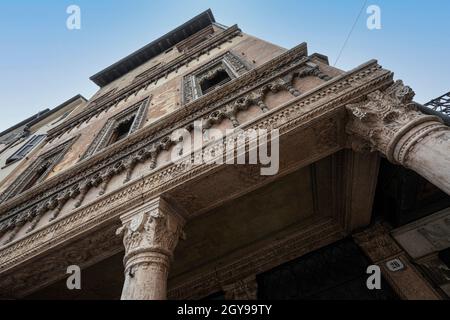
(228,62)
(318,234)
(46,161)
(245,289)
(144,82)
(382,119)
(137,111)
(326,98)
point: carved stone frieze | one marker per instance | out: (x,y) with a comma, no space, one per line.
(245,289)
(143,82)
(145,144)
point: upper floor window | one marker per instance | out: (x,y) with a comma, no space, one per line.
(26,148)
(212,75)
(119,127)
(37,171)
(215,80)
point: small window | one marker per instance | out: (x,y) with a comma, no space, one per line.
(212,75)
(26,148)
(444,255)
(219,78)
(119,127)
(121,131)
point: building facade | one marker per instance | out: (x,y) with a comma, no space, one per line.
(362,178)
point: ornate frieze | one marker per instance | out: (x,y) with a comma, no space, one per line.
(344,88)
(245,289)
(144,81)
(159,139)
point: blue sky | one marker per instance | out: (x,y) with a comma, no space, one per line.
(43,63)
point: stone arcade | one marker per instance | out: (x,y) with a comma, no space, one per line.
(364,178)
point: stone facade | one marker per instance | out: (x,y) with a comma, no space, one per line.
(190,231)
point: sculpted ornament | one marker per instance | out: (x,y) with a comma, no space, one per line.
(155,230)
(383,118)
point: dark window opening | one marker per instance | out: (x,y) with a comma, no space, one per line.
(122,131)
(444,255)
(221,77)
(37,175)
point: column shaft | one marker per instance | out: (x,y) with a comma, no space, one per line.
(389,122)
(150,235)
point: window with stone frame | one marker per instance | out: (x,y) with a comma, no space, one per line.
(25,149)
(212,75)
(37,171)
(119,127)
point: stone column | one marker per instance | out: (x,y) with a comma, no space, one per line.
(395,265)
(389,122)
(150,235)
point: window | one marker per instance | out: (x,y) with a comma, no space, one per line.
(216,80)
(444,255)
(37,171)
(119,127)
(212,75)
(121,130)
(25,149)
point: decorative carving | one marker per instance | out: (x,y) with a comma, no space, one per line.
(150,236)
(245,289)
(143,82)
(138,112)
(228,62)
(41,167)
(83,252)
(152,139)
(382,118)
(377,243)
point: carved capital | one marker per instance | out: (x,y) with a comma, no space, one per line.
(384,118)
(155,227)
(150,235)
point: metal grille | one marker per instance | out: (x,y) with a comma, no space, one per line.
(441,104)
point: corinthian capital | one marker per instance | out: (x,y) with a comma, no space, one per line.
(155,227)
(384,117)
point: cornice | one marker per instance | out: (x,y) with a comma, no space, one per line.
(78,174)
(165,125)
(327,98)
(193,54)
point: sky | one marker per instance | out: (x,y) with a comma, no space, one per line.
(43,63)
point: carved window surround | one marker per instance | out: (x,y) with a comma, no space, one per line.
(349,86)
(136,113)
(47,160)
(229,62)
(155,138)
(143,83)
